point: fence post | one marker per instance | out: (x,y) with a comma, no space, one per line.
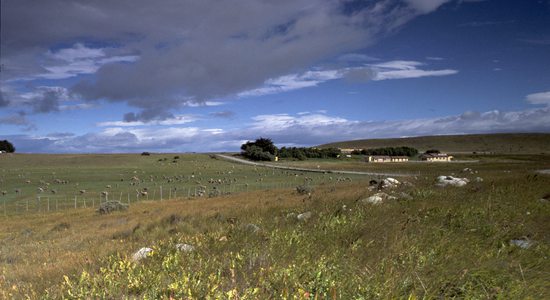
(48,204)
(75,201)
(161,192)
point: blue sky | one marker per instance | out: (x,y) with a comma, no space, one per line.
(179,76)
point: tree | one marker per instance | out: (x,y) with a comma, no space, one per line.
(255,153)
(432,151)
(261,149)
(5,145)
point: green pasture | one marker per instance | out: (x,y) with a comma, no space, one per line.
(45,182)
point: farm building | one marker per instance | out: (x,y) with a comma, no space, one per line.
(386,158)
(436,157)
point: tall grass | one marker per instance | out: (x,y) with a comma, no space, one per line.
(443,243)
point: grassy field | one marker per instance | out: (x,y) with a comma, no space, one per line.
(514,143)
(46,183)
(430,242)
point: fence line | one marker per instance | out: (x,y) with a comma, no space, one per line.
(53,203)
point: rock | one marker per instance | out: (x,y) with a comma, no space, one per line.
(450,180)
(376,198)
(141,253)
(304,216)
(185,247)
(252,228)
(110,206)
(388,183)
(523,243)
(291,215)
(478,179)
(223,239)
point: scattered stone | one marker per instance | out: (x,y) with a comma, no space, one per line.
(450,180)
(377,198)
(252,228)
(478,179)
(141,253)
(304,216)
(185,247)
(523,243)
(291,215)
(388,183)
(223,239)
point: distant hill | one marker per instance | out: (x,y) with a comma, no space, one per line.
(521,143)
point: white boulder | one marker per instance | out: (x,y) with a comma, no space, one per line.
(377,198)
(141,253)
(185,247)
(304,216)
(452,181)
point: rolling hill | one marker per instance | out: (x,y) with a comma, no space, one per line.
(520,143)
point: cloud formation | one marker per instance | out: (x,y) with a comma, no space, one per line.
(160,56)
(397,69)
(539,98)
(303,129)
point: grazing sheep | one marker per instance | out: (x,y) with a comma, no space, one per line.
(143,193)
(82,192)
(108,186)
(27,181)
(104,193)
(17,191)
(4,193)
(53,191)
(40,190)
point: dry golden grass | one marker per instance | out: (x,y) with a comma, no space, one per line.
(38,249)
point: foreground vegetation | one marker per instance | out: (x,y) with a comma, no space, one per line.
(431,242)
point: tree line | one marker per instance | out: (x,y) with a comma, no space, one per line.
(263,149)
(389,151)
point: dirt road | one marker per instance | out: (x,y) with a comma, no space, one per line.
(247,162)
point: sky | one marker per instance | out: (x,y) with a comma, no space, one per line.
(203,76)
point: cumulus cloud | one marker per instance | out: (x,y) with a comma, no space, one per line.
(305,129)
(539,98)
(187,51)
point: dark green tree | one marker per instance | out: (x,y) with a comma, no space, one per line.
(5,145)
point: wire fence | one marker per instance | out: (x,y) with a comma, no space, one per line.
(44,203)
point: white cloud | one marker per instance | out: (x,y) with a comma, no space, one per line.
(293,82)
(205,103)
(539,98)
(404,69)
(78,106)
(79,60)
(285,129)
(397,69)
(426,6)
